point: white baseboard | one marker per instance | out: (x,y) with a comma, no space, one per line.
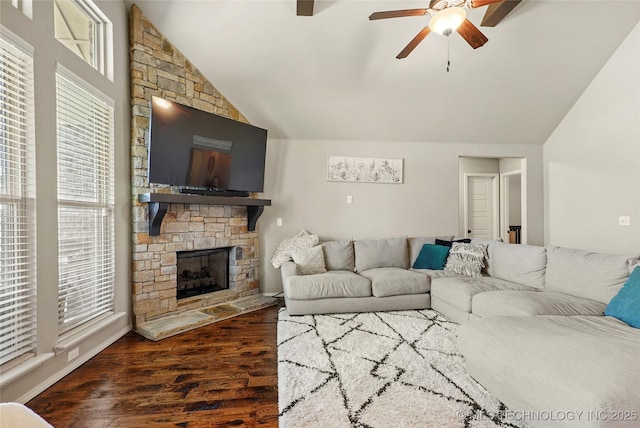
(38,389)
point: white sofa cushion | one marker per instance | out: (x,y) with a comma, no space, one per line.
(339,283)
(338,255)
(377,253)
(556,364)
(459,290)
(396,281)
(594,276)
(524,264)
(511,302)
(19,415)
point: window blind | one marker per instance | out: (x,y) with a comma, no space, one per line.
(85,157)
(17,203)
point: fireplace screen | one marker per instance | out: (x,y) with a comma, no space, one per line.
(202,271)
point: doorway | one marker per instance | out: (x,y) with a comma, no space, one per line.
(493,198)
(511,207)
(481,205)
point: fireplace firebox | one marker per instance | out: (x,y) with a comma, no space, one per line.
(202,271)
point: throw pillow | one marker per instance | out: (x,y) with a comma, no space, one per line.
(377,253)
(466,259)
(283,252)
(415,244)
(338,255)
(450,243)
(625,304)
(310,261)
(432,257)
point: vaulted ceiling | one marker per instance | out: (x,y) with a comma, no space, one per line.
(334,75)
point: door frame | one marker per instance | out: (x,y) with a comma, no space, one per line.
(496,203)
(505,203)
(504,200)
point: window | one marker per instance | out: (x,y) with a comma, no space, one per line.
(25,6)
(85,30)
(85,202)
(17,200)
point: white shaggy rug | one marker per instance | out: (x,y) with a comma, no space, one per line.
(381,369)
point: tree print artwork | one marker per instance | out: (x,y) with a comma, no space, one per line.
(364,170)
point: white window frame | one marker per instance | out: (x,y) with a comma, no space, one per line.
(24,6)
(18,338)
(90,284)
(103,37)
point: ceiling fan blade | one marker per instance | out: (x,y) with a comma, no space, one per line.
(497,11)
(471,34)
(413,43)
(397,13)
(480,3)
(304,8)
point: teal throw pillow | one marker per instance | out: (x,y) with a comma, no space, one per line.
(625,304)
(432,257)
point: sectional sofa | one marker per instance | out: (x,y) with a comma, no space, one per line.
(360,276)
(533,329)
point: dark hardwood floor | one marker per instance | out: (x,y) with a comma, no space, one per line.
(224,374)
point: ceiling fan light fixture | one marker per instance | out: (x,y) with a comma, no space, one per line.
(447,20)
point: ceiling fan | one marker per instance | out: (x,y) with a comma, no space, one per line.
(448,16)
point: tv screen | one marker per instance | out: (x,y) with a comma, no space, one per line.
(195,150)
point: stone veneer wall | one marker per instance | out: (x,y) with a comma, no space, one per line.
(158,68)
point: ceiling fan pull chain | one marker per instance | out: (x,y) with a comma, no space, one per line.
(448,55)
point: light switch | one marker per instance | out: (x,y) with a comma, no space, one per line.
(279,221)
(624,220)
(349,199)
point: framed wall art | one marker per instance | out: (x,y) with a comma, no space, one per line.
(364,170)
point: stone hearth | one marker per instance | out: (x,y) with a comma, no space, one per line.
(184,321)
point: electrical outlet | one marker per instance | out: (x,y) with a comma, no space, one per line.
(73,354)
(349,199)
(279,221)
(624,220)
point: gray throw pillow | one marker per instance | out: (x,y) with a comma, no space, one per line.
(338,255)
(466,259)
(377,253)
(310,261)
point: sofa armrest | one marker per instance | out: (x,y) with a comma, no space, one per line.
(287,270)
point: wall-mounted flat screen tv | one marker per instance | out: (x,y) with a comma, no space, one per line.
(203,152)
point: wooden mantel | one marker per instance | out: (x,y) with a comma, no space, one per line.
(159,204)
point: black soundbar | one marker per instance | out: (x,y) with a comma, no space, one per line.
(212,191)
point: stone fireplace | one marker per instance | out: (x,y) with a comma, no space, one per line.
(160,69)
(192,227)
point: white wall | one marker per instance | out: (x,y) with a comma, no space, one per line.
(425,204)
(510,165)
(47,53)
(514,200)
(592,161)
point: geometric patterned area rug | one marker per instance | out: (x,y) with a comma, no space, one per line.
(378,369)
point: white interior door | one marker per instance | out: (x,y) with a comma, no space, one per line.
(481,206)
